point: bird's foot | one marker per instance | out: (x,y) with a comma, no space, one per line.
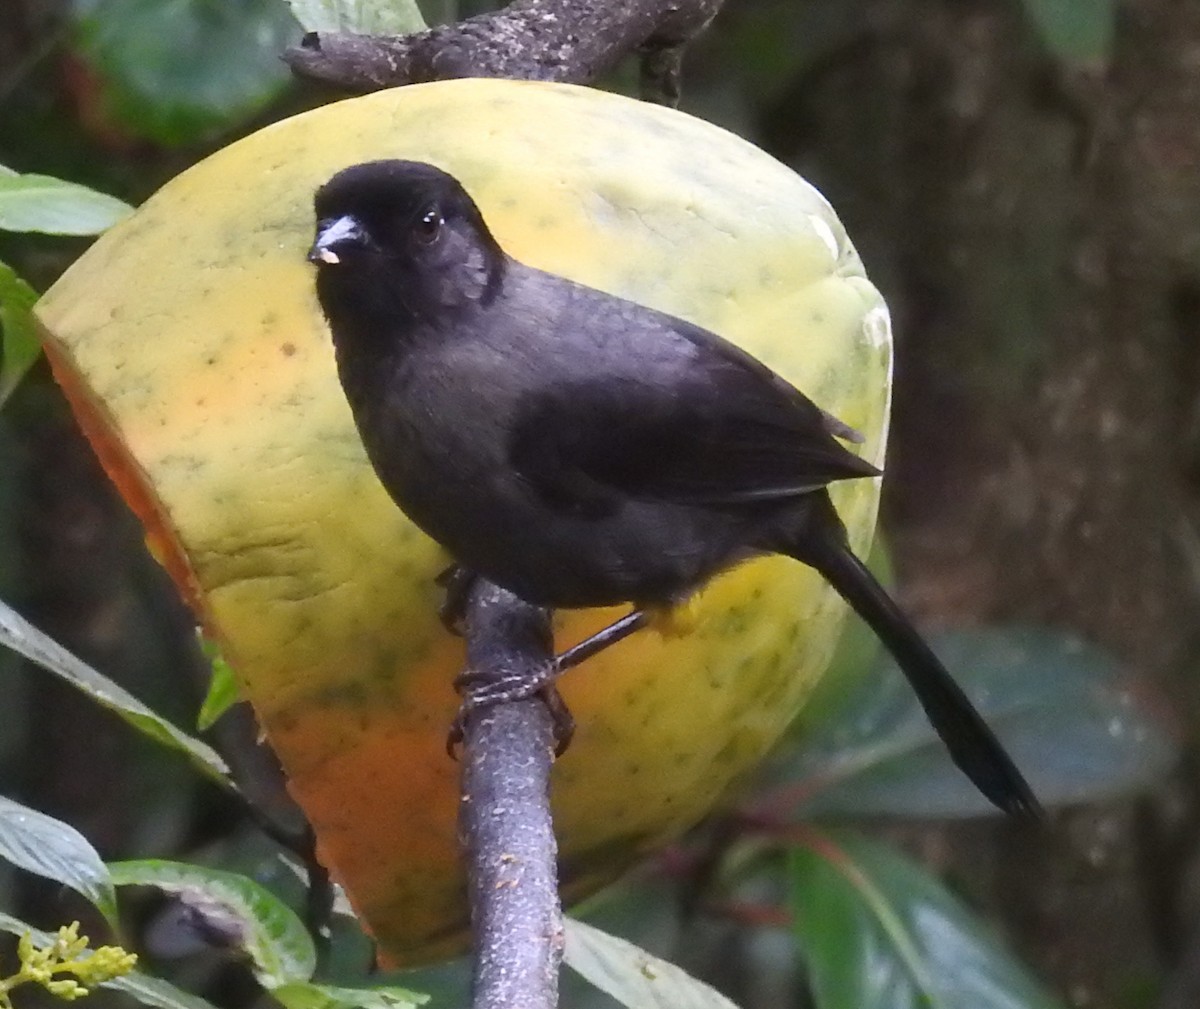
(487,689)
(457,582)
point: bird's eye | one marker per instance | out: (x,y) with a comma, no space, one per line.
(428,226)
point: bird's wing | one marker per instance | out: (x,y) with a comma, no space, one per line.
(689,420)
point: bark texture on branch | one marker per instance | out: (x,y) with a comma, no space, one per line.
(571,41)
(504,816)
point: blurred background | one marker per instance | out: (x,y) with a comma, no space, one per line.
(1022,180)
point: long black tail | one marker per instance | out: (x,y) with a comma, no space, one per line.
(972,744)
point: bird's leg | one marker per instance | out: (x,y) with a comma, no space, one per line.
(602,639)
(456,581)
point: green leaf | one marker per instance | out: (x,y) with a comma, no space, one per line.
(54,207)
(878,932)
(254,918)
(1076,31)
(55,850)
(222,686)
(25,639)
(21,344)
(185,71)
(359,17)
(326,996)
(149,991)
(1063,709)
(631,975)
(157,993)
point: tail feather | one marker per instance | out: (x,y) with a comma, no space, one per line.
(972,744)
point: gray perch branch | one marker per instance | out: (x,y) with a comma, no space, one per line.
(504,817)
(573,41)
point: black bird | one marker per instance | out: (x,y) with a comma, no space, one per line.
(582,450)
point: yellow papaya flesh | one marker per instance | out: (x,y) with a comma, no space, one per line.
(190,344)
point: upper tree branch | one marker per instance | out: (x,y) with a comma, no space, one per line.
(572,41)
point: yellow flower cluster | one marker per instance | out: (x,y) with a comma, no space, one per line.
(67,954)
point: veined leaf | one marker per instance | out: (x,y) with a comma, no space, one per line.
(305,995)
(1063,709)
(632,976)
(21,346)
(252,917)
(222,691)
(22,637)
(54,207)
(878,932)
(55,850)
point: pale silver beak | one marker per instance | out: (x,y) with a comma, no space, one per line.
(330,233)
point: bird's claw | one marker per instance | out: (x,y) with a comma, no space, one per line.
(485,689)
(457,583)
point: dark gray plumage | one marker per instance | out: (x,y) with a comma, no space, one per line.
(580,449)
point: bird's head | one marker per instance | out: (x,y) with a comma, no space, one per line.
(400,238)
